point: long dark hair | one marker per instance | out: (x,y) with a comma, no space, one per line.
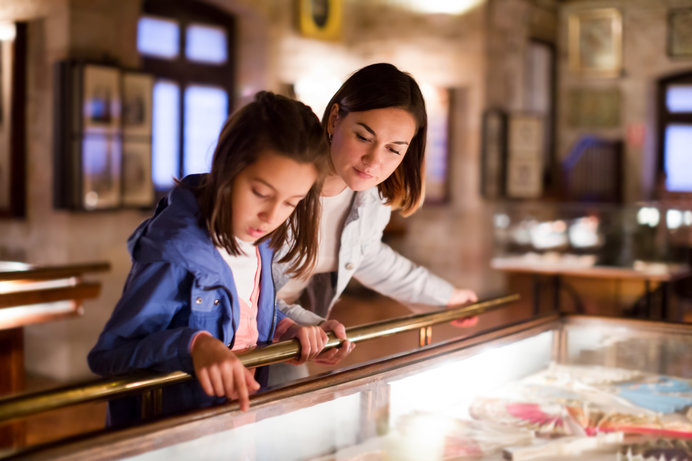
(379,86)
(285,126)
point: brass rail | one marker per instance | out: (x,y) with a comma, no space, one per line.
(20,405)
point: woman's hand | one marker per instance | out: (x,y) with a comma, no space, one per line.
(220,372)
(336,354)
(312,340)
(458,297)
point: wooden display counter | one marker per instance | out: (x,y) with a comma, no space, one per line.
(553,275)
(35,294)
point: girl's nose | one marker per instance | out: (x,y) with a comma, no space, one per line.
(268,213)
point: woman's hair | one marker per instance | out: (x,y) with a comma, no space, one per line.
(379,86)
(287,127)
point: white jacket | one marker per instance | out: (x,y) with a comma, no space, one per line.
(363,255)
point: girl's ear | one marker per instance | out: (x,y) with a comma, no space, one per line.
(333,118)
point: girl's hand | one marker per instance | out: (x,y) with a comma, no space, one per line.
(220,372)
(337,354)
(463,297)
(312,340)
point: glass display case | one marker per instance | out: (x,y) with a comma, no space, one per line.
(554,387)
(649,237)
(644,249)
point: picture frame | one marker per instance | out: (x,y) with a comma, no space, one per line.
(101,101)
(494,153)
(320,19)
(594,108)
(101,160)
(525,155)
(137,184)
(595,42)
(437,102)
(137,96)
(680,33)
(13,65)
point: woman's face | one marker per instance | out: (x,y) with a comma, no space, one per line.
(368,146)
(266,193)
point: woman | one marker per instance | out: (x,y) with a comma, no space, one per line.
(376,125)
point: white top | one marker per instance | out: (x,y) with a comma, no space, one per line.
(243,267)
(334,211)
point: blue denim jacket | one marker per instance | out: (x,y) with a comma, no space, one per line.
(178,285)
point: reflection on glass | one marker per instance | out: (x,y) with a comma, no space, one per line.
(678,161)
(166,134)
(205,44)
(158,37)
(206,108)
(679,98)
(583,233)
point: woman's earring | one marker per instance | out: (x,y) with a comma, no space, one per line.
(330,137)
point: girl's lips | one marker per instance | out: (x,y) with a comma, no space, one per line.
(254,232)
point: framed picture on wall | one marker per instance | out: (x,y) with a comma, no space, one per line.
(138,187)
(100,167)
(494,153)
(437,145)
(320,19)
(680,33)
(137,104)
(12,124)
(101,101)
(525,155)
(595,42)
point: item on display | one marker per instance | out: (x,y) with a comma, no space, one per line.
(657,450)
(580,400)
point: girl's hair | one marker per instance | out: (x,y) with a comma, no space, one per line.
(379,86)
(287,127)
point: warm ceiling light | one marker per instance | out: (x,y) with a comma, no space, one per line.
(7,31)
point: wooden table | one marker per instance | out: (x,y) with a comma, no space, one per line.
(32,294)
(662,274)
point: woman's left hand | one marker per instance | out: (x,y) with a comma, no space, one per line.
(458,297)
(312,340)
(336,354)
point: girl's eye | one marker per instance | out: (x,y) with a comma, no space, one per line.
(394,151)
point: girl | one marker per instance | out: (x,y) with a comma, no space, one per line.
(376,125)
(200,285)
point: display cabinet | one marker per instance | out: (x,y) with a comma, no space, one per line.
(557,386)
(646,245)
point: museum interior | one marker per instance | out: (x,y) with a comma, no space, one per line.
(558,187)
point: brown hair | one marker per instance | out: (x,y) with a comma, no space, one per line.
(289,128)
(379,86)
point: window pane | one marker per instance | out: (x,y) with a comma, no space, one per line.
(679,98)
(166,134)
(206,108)
(678,161)
(205,44)
(158,37)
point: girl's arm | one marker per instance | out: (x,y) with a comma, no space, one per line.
(139,334)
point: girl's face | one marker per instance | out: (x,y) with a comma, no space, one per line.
(266,192)
(368,146)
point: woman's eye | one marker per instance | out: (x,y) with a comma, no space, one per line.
(361,137)
(258,193)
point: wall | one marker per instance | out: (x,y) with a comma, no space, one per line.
(645,60)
